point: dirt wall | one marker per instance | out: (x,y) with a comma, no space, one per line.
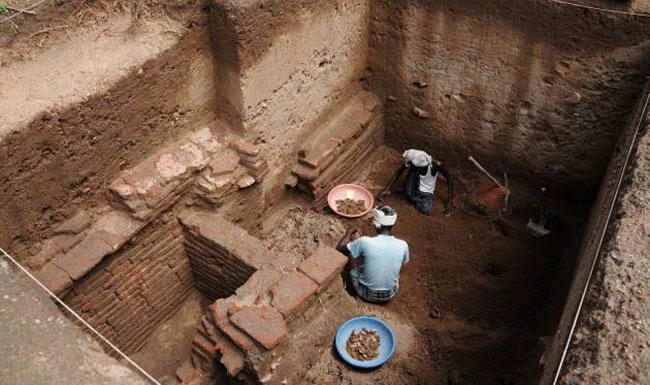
(626,226)
(293,58)
(63,159)
(536,89)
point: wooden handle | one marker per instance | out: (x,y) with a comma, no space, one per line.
(478,165)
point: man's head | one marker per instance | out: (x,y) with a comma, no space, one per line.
(384,218)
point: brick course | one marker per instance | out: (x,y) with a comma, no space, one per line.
(323,265)
(248,331)
(137,288)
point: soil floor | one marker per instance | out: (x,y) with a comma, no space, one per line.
(171,343)
(479,291)
(474,302)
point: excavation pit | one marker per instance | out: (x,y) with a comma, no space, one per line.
(169,183)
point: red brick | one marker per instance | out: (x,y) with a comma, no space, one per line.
(245,148)
(264,324)
(323,265)
(224,163)
(370,102)
(219,311)
(67,241)
(202,343)
(260,282)
(365,118)
(291,292)
(86,255)
(231,357)
(221,233)
(204,138)
(118,223)
(190,156)
(305,172)
(75,225)
(245,181)
(169,168)
(49,251)
(54,278)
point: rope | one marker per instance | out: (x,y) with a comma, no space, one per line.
(77,316)
(628,13)
(601,240)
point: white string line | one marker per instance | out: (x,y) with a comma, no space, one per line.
(628,13)
(602,239)
(22,11)
(153,380)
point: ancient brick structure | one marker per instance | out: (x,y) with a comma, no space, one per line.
(275,317)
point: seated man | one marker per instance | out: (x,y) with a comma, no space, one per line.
(376,279)
(421,181)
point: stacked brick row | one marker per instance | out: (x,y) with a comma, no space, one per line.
(155,184)
(223,256)
(335,153)
(251,157)
(224,175)
(79,244)
(248,332)
(130,293)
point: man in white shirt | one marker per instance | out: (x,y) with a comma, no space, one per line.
(421,180)
(376,261)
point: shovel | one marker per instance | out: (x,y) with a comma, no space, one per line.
(537,230)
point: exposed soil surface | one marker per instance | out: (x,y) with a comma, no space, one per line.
(171,343)
(350,206)
(476,292)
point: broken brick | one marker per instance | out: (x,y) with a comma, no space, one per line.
(370,102)
(264,324)
(245,181)
(323,265)
(83,257)
(231,357)
(291,292)
(169,168)
(224,163)
(54,278)
(305,172)
(203,138)
(245,148)
(202,343)
(117,227)
(48,252)
(258,283)
(75,225)
(219,311)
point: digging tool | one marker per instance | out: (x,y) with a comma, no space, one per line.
(495,181)
(537,230)
(484,171)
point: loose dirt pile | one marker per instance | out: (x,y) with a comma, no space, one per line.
(363,345)
(351,206)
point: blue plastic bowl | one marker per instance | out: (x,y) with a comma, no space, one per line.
(386,349)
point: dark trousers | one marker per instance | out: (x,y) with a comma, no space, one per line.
(423,201)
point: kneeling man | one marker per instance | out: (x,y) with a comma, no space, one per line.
(376,278)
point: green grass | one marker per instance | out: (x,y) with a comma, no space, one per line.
(4,8)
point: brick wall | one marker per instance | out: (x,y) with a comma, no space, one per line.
(276,319)
(222,255)
(131,292)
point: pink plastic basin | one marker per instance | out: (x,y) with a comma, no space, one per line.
(351,191)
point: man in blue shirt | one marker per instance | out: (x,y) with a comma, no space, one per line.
(376,276)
